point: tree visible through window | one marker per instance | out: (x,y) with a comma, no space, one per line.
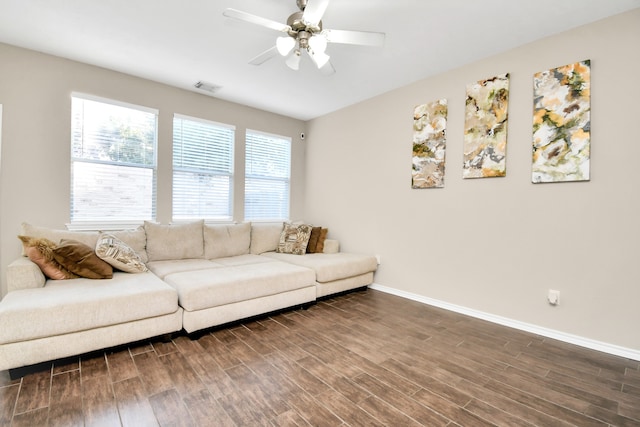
(113,161)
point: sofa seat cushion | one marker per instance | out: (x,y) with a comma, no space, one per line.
(330,267)
(242,260)
(62,307)
(203,289)
(164,268)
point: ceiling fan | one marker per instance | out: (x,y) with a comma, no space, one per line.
(304,32)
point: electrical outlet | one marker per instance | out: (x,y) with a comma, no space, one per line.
(378,259)
(553,297)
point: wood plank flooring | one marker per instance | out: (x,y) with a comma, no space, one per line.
(362,359)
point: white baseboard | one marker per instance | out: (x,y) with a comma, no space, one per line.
(528,327)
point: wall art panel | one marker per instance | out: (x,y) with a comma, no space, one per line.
(485,128)
(429,144)
(562,123)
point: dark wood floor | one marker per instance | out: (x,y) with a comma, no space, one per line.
(363,359)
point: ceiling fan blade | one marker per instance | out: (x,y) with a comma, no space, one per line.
(264,56)
(314,10)
(354,37)
(254,19)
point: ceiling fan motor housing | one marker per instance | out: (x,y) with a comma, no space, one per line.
(297,24)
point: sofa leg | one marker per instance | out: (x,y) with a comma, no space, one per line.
(308,305)
(166,338)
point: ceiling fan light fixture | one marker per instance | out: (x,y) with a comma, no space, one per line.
(285,44)
(318,43)
(320,58)
(293,61)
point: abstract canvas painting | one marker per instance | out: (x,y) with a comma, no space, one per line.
(562,123)
(485,128)
(429,143)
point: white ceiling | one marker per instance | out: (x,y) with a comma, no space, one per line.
(179,42)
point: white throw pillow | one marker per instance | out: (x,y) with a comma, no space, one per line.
(120,255)
(136,239)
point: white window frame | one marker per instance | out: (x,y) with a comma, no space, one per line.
(202,171)
(105,224)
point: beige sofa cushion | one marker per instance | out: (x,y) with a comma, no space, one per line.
(235,261)
(62,307)
(170,266)
(202,289)
(23,273)
(329,267)
(226,240)
(174,241)
(265,237)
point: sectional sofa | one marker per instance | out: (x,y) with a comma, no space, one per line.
(161,279)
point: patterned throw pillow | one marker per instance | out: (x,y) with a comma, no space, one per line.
(294,239)
(119,254)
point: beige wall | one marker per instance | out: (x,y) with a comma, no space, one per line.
(497,245)
(35,91)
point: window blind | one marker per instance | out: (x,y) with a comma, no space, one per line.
(202,169)
(267,177)
(113,161)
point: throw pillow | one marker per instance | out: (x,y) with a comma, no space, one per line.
(321,239)
(136,239)
(82,260)
(174,241)
(55,235)
(294,239)
(40,252)
(313,240)
(118,254)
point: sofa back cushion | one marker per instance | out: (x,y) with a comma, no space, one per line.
(89,238)
(265,237)
(221,241)
(174,241)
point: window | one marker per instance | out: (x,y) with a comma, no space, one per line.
(267,174)
(113,161)
(202,169)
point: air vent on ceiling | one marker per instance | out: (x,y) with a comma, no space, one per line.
(207,87)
